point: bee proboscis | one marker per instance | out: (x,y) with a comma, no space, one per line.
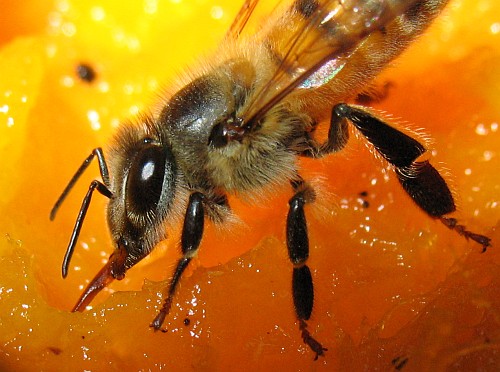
(242,123)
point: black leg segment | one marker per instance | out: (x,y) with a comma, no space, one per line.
(338,135)
(192,232)
(303,292)
(296,231)
(396,147)
(298,251)
(427,188)
(419,178)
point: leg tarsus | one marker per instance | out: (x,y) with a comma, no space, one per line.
(160,317)
(167,304)
(311,341)
(453,224)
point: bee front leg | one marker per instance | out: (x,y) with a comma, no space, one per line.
(298,252)
(192,232)
(421,181)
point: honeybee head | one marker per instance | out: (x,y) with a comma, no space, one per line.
(143,183)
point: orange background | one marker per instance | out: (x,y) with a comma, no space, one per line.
(391,284)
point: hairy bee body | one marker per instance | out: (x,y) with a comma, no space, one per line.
(240,125)
(267,155)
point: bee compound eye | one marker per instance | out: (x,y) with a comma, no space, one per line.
(146,178)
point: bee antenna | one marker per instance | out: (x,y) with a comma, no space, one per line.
(79,221)
(104,174)
(103,188)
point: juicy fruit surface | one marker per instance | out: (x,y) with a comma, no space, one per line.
(394,289)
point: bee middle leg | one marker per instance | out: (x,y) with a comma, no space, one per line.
(298,252)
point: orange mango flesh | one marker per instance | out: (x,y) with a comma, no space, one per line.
(392,286)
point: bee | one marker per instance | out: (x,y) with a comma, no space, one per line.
(239,127)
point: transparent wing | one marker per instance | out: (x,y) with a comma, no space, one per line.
(241,19)
(312,41)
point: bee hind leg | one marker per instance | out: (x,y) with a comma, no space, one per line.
(421,181)
(298,251)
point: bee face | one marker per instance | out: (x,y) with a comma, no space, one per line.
(242,124)
(143,194)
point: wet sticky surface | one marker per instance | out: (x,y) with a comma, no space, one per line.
(394,289)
